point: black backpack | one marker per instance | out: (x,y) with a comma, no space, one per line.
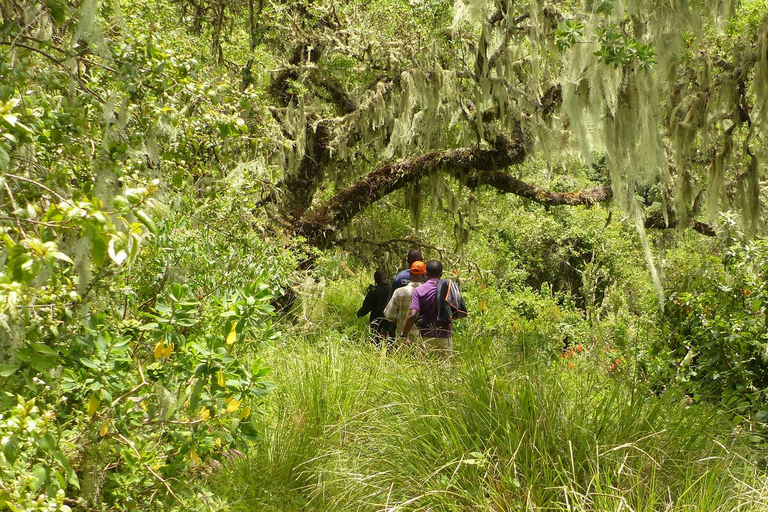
(450,303)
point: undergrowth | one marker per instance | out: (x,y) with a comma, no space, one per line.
(496,428)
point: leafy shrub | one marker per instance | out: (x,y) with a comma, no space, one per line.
(715,329)
(35,469)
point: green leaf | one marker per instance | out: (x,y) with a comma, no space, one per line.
(89,363)
(41,348)
(5,160)
(147,221)
(99,249)
(71,475)
(11,119)
(58,11)
(61,256)
(6,370)
(47,443)
(42,363)
(11,449)
(195,398)
(135,244)
(40,472)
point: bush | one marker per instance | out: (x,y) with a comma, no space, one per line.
(715,329)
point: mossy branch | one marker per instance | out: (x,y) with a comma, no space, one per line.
(474,166)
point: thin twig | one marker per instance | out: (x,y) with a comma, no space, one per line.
(135,389)
(31,221)
(59,63)
(33,49)
(37,183)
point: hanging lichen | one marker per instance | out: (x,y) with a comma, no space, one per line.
(414,198)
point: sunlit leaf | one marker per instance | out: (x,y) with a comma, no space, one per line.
(145,219)
(233,405)
(232,338)
(159,350)
(6,370)
(93,404)
(61,256)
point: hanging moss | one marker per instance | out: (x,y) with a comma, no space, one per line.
(414,198)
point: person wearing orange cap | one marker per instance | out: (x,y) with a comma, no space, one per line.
(400,302)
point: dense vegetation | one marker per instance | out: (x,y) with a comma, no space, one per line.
(194,195)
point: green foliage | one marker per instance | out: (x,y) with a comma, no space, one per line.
(618,49)
(359,429)
(34,467)
(715,335)
(126,309)
(139,268)
(151,399)
(570,32)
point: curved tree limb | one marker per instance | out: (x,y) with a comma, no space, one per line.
(474,166)
(319,225)
(505,182)
(657,222)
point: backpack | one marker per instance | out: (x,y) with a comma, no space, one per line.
(450,304)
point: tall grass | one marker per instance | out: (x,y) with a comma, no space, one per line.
(354,429)
(500,427)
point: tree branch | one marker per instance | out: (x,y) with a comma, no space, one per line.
(318,226)
(657,222)
(505,182)
(474,166)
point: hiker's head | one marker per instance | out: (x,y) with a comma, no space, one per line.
(380,277)
(414,255)
(418,271)
(434,269)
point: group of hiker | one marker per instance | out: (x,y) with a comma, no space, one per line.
(416,309)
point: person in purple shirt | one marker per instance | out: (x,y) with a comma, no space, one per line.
(404,276)
(435,336)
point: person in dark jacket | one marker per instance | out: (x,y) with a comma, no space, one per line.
(374,303)
(404,276)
